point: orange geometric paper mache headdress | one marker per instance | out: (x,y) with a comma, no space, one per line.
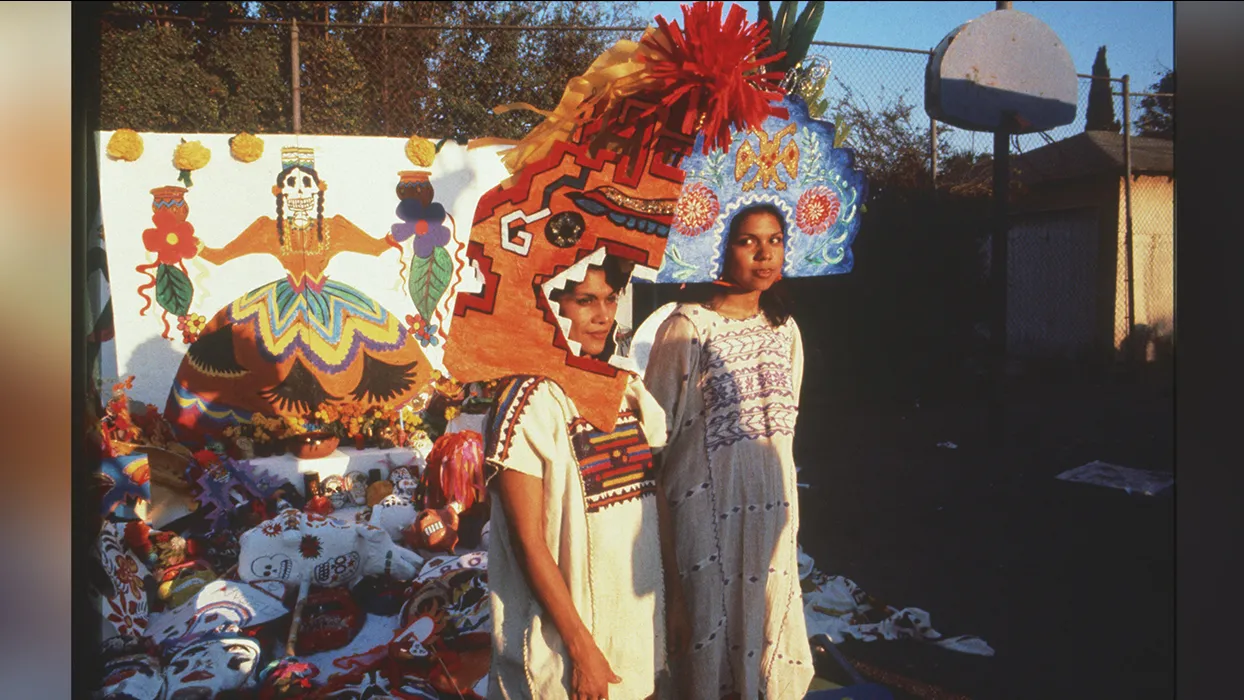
(600,176)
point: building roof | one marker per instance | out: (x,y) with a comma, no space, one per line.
(1094,153)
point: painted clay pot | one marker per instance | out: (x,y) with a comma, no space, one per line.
(414,184)
(172,199)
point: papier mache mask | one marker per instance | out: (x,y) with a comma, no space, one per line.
(202,669)
(790,163)
(604,178)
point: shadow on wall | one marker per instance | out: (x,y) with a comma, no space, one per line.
(154,365)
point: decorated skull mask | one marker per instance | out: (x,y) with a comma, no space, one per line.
(131,671)
(204,668)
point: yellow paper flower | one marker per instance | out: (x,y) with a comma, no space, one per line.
(246,147)
(420,151)
(452,413)
(125,144)
(191,155)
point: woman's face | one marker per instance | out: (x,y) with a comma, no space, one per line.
(591,308)
(754,255)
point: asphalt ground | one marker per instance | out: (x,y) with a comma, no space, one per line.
(1070,583)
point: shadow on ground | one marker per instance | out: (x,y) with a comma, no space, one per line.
(1071,584)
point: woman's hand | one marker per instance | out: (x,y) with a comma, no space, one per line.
(590,673)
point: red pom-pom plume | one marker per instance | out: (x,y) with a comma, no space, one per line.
(717,68)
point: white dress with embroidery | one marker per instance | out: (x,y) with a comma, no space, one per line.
(730,391)
(600,525)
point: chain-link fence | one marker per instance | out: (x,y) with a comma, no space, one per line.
(382,78)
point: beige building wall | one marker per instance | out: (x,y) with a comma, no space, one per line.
(1153,246)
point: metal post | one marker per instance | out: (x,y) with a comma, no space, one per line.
(1127,206)
(933,149)
(998,251)
(384,91)
(296,76)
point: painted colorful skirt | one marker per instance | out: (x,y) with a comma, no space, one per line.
(290,350)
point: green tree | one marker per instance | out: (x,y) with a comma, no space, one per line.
(1100,113)
(1157,114)
(184,66)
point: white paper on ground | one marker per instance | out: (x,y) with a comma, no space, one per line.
(1114,476)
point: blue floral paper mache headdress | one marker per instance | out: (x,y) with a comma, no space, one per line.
(790,163)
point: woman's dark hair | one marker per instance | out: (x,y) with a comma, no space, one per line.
(775,301)
(280,204)
(617,274)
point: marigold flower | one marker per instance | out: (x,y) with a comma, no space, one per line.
(247,148)
(125,144)
(420,151)
(191,155)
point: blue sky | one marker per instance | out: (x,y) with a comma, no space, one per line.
(1139,36)
(1139,40)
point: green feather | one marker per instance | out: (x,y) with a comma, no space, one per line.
(783,27)
(803,32)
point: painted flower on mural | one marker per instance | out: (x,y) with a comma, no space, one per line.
(191,325)
(423,331)
(424,223)
(247,148)
(172,240)
(696,210)
(125,144)
(817,210)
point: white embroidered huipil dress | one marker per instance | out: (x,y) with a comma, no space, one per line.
(600,525)
(730,390)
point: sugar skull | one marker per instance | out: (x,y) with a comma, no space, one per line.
(336,490)
(356,485)
(404,483)
(201,670)
(393,514)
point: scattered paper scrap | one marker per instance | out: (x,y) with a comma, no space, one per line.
(1127,479)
